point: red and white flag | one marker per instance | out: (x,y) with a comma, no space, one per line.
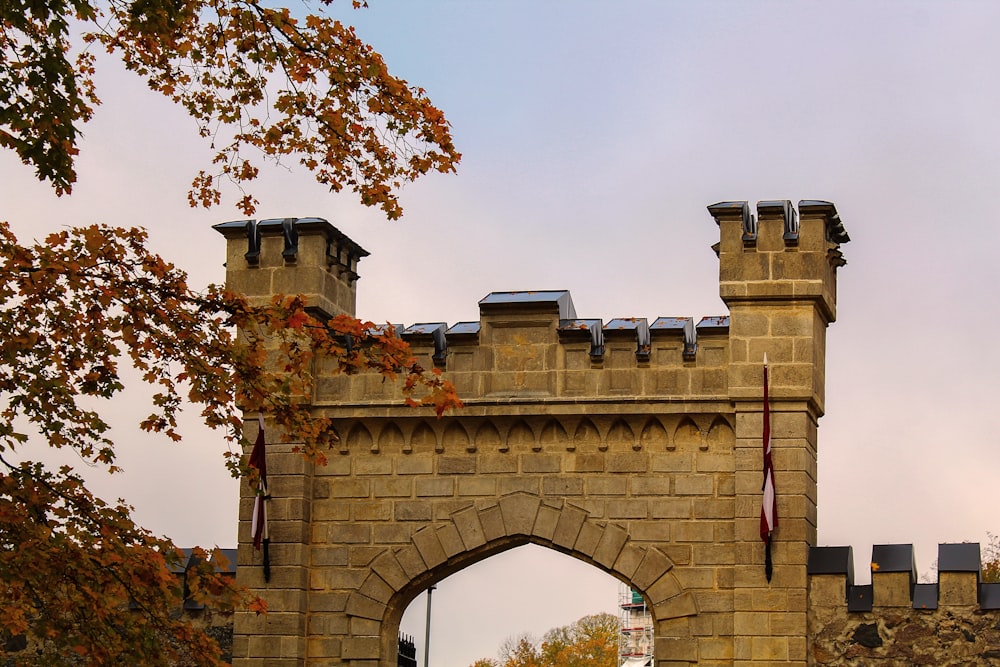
(769,504)
(258,522)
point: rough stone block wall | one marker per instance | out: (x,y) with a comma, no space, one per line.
(896,621)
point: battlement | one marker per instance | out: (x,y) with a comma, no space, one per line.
(894,579)
(896,620)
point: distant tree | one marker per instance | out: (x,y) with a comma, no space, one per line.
(991,559)
(591,641)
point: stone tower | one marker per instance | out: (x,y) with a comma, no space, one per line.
(632,445)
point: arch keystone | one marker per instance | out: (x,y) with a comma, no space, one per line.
(427,543)
(545,523)
(629,560)
(653,566)
(469,528)
(568,528)
(492,522)
(611,544)
(678,606)
(365,607)
(664,588)
(374,587)
(589,538)
(411,562)
(519,512)
(450,540)
(387,567)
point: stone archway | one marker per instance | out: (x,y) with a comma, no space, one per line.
(475,533)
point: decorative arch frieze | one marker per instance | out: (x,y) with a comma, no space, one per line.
(454,435)
(553,436)
(621,436)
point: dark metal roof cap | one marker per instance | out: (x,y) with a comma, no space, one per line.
(925,596)
(425,329)
(860,598)
(715,324)
(579,325)
(729,209)
(463,329)
(832,560)
(541,299)
(834,226)
(963,557)
(625,324)
(989,596)
(229,567)
(669,324)
(893,558)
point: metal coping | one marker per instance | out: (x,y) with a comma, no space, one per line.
(625,324)
(669,324)
(713,324)
(989,596)
(925,596)
(463,329)
(860,598)
(893,558)
(424,328)
(579,325)
(559,298)
(963,557)
(832,560)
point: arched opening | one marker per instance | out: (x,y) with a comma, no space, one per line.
(527,589)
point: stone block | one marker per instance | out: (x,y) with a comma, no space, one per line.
(694,484)
(469,528)
(434,487)
(610,544)
(621,462)
(427,543)
(650,486)
(957,589)
(415,464)
(891,589)
(562,486)
(568,527)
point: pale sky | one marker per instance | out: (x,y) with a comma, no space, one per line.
(594,135)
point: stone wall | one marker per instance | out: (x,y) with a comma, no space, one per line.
(897,621)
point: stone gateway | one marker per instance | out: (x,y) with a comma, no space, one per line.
(634,446)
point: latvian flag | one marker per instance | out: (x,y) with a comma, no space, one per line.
(258,523)
(769,505)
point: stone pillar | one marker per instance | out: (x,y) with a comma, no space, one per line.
(778,277)
(306,256)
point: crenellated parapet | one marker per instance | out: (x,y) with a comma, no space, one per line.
(897,620)
(307,256)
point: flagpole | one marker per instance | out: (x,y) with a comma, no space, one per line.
(427,628)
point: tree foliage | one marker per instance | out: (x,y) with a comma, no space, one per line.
(259,81)
(591,641)
(991,559)
(77,573)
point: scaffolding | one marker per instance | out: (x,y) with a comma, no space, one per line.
(635,639)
